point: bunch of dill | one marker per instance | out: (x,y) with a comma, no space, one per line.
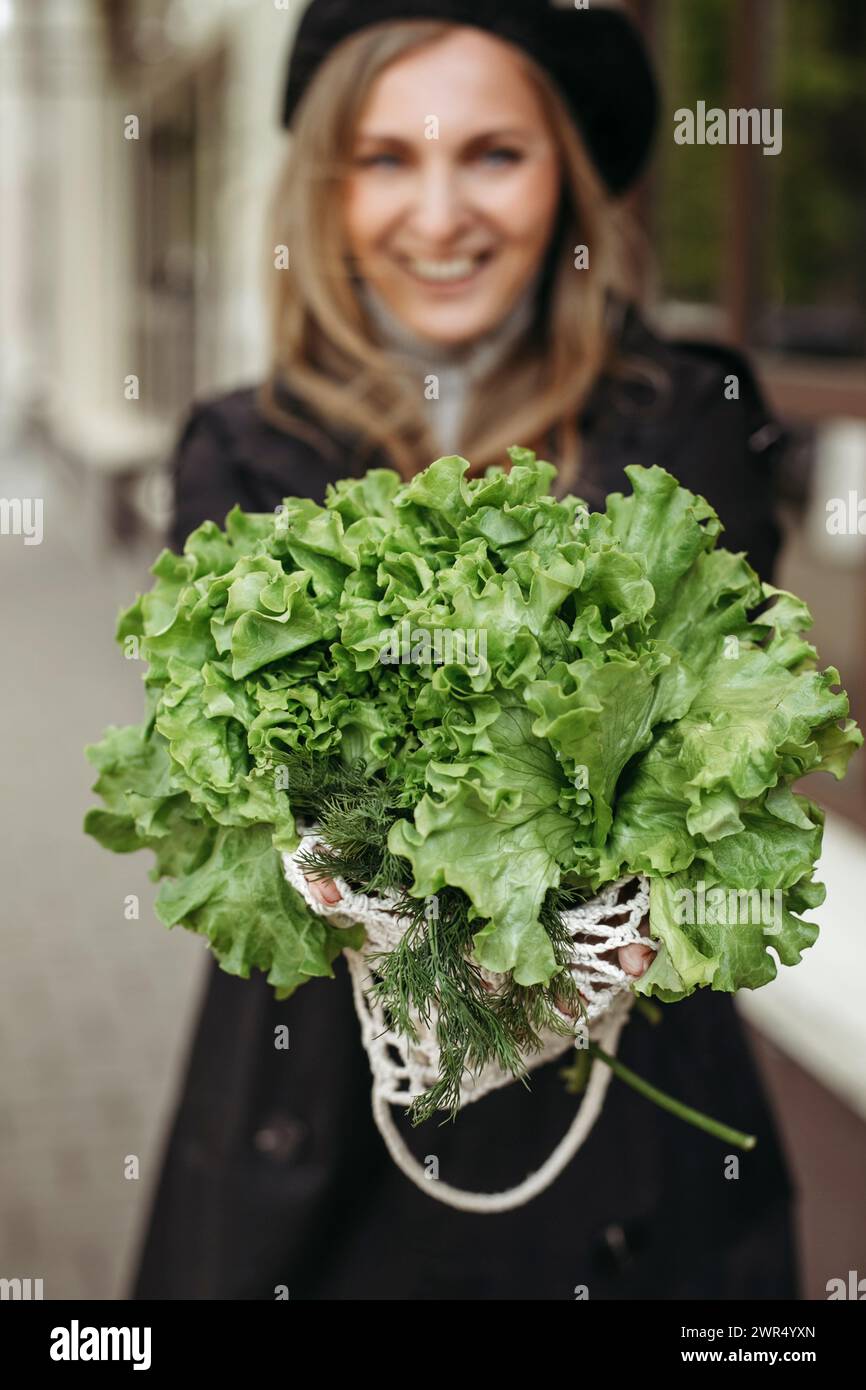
(431,967)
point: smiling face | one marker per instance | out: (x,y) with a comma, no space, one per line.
(450,230)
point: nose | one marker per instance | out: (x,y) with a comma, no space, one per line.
(439,208)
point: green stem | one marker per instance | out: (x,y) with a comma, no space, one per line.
(676,1107)
(651,1012)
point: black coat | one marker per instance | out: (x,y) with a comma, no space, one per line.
(274,1172)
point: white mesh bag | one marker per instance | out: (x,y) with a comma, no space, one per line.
(404,1068)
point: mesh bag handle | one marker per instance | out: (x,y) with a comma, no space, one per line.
(404,1068)
(491,1203)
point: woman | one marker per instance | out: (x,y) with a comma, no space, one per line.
(459,282)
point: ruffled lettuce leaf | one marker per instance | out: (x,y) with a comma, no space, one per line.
(563,697)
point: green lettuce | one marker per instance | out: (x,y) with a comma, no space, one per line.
(563,699)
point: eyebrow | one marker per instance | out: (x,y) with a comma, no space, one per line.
(388,138)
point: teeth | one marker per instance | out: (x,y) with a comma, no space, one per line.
(443,270)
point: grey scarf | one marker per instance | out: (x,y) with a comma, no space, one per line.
(453,369)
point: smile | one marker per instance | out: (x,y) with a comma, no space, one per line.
(451,272)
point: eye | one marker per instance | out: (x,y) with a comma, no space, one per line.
(383,160)
(502,154)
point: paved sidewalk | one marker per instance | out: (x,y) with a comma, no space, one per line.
(93,1007)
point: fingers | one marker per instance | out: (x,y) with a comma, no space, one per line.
(564,1005)
(635,959)
(325,890)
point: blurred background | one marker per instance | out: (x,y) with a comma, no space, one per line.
(138,141)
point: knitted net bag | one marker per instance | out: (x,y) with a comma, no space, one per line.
(404,1068)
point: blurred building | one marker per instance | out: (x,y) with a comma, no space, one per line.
(140,139)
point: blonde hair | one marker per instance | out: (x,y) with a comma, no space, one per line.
(321,344)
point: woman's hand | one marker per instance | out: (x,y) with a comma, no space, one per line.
(324,890)
(634,959)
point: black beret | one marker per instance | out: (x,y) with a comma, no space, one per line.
(595,55)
